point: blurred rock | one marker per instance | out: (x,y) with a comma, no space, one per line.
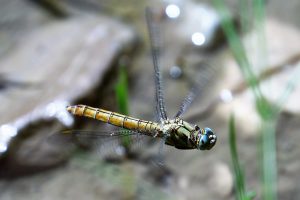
(281,42)
(64,183)
(243,107)
(62,61)
(221,181)
(283,50)
(16,23)
(278,86)
(288,151)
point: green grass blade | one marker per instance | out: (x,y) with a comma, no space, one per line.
(259,28)
(121,89)
(268,161)
(259,15)
(237,169)
(237,47)
(244,14)
(266,111)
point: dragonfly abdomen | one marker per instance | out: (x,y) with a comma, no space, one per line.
(115,119)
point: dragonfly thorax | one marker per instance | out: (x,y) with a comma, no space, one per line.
(170,125)
(183,135)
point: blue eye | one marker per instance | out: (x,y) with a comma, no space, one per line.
(207,139)
(208,130)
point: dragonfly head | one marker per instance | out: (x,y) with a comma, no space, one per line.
(206,139)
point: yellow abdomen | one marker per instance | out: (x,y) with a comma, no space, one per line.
(114,118)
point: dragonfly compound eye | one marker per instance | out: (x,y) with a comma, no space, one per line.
(207,139)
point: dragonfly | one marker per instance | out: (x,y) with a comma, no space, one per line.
(174,131)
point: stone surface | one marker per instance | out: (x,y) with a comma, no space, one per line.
(63,61)
(85,177)
(221,181)
(284,88)
(58,64)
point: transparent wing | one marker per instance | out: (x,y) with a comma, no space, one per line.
(153,29)
(103,142)
(202,81)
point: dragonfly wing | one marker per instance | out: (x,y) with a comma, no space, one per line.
(153,29)
(201,81)
(103,142)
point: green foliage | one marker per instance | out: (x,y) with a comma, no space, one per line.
(121,89)
(238,172)
(267,112)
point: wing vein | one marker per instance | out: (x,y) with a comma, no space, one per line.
(155,51)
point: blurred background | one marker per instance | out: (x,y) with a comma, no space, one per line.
(95,52)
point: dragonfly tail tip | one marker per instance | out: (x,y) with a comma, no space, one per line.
(70,109)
